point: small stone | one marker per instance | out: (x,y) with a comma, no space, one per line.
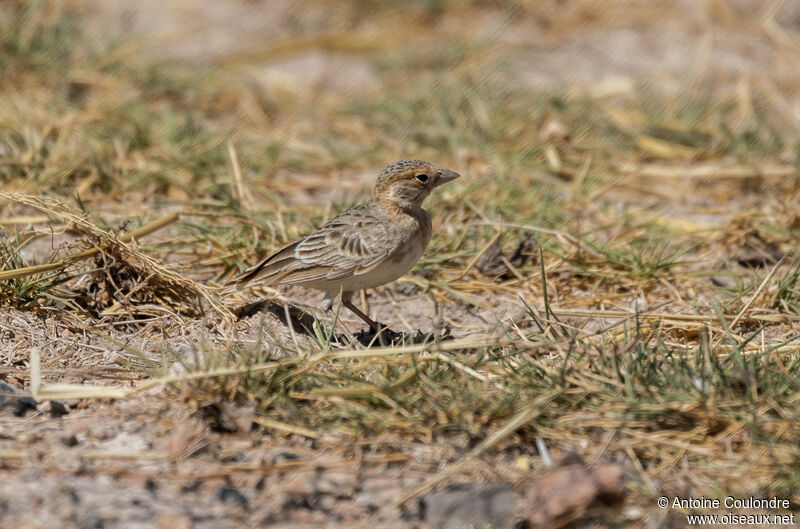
(228,417)
(232,495)
(472,506)
(125,442)
(570,490)
(20,400)
(407,288)
(69,439)
(756,252)
(493,261)
(326,503)
(552,129)
(286,455)
(185,439)
(169,521)
(349,511)
(379,491)
(300,484)
(340,483)
(240,417)
(58,409)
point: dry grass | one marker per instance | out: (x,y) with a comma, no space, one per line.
(657,325)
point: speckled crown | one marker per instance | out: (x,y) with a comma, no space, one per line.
(401,167)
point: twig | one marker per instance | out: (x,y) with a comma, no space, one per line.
(240,191)
(525,416)
(560,235)
(758,291)
(126,237)
(479,255)
(283,427)
(468,370)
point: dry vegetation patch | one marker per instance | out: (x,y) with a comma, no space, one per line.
(615,278)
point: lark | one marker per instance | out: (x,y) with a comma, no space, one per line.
(366,246)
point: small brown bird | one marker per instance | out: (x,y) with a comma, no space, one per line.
(366,246)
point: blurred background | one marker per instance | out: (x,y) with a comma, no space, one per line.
(121,96)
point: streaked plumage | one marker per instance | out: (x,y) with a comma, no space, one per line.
(366,246)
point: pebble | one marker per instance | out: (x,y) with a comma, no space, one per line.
(471,506)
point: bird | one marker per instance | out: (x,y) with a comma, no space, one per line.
(366,246)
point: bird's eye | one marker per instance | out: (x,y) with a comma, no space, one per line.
(421,178)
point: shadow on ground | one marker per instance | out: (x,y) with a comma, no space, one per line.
(302,322)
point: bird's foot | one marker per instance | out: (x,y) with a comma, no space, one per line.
(379,335)
(383,336)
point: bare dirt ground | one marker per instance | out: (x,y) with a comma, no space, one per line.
(652,147)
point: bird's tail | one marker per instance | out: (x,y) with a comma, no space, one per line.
(269,270)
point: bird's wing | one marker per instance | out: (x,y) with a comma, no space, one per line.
(351,244)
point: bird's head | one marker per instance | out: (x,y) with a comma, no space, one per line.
(407,183)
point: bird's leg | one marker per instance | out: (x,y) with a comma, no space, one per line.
(347,302)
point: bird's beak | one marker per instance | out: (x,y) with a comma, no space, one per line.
(445,175)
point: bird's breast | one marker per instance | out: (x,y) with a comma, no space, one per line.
(411,244)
